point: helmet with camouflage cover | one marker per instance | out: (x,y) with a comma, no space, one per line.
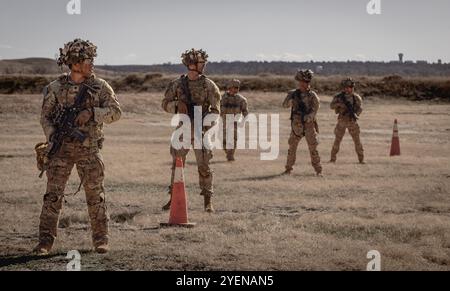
(304,75)
(235,83)
(193,56)
(348,82)
(76,51)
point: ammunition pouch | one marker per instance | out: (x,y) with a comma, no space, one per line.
(41,155)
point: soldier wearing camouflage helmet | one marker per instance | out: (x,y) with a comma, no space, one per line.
(99,106)
(182,94)
(232,103)
(348,106)
(304,104)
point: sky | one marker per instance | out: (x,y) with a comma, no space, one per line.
(158,31)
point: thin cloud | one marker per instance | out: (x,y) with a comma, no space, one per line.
(130,57)
(286,57)
(361,57)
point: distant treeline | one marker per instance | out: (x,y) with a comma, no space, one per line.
(42,66)
(289,68)
(388,86)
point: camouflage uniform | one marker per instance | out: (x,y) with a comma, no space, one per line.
(204,93)
(345,121)
(309,130)
(232,104)
(86,156)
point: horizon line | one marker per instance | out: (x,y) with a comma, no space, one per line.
(417,61)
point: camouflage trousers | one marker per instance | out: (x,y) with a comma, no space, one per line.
(90,169)
(229,151)
(297,134)
(339,131)
(205,174)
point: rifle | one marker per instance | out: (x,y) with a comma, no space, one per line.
(191,104)
(65,125)
(187,92)
(349,107)
(301,109)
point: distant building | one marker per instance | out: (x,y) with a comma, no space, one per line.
(440,62)
(400,57)
(420,62)
(408,62)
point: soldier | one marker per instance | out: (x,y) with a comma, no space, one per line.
(232,103)
(100,106)
(348,105)
(304,105)
(193,89)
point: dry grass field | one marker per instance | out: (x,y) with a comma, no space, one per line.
(399,206)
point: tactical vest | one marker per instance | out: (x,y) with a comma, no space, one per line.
(65,95)
(299,107)
(231,104)
(196,94)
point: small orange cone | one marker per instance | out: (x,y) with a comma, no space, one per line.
(178,206)
(395,145)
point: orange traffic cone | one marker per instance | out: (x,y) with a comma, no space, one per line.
(178,206)
(395,144)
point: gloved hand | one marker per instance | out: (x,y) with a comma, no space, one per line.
(340,108)
(182,107)
(83,117)
(309,118)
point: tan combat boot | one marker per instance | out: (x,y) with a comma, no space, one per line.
(230,157)
(208,204)
(287,172)
(167,205)
(42,249)
(102,248)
